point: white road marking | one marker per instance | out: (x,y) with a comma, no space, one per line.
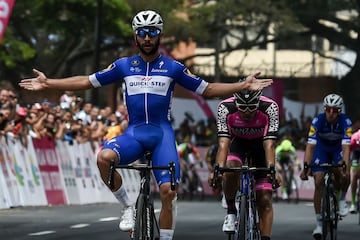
(41,233)
(80,225)
(109,219)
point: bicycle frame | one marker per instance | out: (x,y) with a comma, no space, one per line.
(247,219)
(145,219)
(329,203)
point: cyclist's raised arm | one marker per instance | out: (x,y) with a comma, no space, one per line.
(226,89)
(41,82)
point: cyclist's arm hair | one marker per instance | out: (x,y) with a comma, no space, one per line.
(269,147)
(222,153)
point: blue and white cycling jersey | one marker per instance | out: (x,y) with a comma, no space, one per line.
(148,93)
(329,138)
(149,86)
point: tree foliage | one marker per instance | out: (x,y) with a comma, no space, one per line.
(58,36)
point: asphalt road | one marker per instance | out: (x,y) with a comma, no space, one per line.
(196,220)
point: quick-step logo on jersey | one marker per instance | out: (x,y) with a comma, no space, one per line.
(138,84)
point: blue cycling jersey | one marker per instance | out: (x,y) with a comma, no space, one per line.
(329,138)
(149,88)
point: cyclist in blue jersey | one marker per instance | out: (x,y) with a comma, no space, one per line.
(329,141)
(149,78)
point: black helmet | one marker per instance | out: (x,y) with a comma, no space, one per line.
(247,100)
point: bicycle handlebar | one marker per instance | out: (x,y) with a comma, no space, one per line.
(323,165)
(142,167)
(218,169)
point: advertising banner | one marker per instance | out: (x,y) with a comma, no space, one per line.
(50,171)
(6,7)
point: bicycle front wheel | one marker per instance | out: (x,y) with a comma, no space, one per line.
(243,224)
(329,215)
(144,225)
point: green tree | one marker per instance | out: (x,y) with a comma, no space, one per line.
(255,23)
(322,19)
(58,36)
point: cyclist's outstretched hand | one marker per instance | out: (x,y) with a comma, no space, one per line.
(254,84)
(34,84)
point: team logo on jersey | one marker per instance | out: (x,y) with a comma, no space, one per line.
(161,64)
(111,66)
(190,74)
(348,132)
(135,62)
(312,131)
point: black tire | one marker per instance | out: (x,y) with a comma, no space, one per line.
(329,215)
(334,217)
(254,221)
(325,210)
(242,226)
(144,227)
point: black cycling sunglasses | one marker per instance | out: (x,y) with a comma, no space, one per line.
(151,32)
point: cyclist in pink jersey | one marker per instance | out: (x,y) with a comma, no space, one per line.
(355,158)
(248,124)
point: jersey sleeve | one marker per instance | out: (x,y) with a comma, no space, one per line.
(188,80)
(272,111)
(222,126)
(313,131)
(347,131)
(109,75)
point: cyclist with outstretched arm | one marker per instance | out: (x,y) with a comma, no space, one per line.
(150,79)
(248,124)
(329,142)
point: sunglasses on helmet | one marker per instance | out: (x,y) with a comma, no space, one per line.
(151,32)
(247,107)
(332,109)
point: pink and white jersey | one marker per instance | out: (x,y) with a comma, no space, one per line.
(264,125)
(355,140)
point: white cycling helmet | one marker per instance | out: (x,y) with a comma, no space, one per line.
(333,100)
(147,18)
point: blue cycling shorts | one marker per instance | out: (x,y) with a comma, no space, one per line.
(137,139)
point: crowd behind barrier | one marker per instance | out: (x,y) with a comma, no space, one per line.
(48,150)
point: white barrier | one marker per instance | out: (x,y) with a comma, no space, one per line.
(46,173)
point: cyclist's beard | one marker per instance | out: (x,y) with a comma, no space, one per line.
(153,51)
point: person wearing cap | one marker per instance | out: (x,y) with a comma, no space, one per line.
(285,154)
(329,142)
(150,79)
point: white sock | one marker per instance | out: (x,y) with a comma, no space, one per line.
(318,220)
(122,196)
(342,195)
(166,234)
